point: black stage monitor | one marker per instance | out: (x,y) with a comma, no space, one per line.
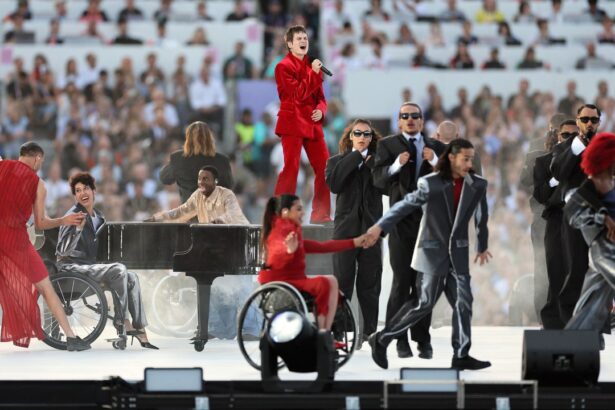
(561,357)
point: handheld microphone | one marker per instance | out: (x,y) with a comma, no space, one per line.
(323,68)
(326,71)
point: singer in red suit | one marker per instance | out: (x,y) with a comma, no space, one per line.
(302,111)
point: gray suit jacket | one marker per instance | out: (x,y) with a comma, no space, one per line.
(443,236)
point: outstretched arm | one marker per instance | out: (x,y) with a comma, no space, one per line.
(42,221)
(410,203)
(182,213)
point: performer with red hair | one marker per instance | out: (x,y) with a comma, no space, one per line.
(302,112)
(592,210)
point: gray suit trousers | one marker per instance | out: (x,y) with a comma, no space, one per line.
(124,287)
(458,292)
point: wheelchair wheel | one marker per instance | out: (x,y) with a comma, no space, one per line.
(258,311)
(174,306)
(346,332)
(85,306)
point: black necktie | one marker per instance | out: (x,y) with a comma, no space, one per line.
(407,171)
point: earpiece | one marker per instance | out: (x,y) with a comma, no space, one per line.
(216,180)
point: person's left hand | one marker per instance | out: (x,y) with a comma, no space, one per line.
(610,228)
(371,236)
(217,221)
(316,115)
(483,257)
(291,242)
(428,154)
(603,181)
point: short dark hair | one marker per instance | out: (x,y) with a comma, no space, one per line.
(210,168)
(556,120)
(411,104)
(291,31)
(82,178)
(591,107)
(454,147)
(30,149)
(568,121)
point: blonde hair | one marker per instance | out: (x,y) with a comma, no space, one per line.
(199,140)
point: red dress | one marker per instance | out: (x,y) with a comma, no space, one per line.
(290,267)
(20,264)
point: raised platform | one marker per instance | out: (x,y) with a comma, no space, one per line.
(221,359)
(230,376)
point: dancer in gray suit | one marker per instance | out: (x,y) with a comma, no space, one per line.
(591,209)
(448,198)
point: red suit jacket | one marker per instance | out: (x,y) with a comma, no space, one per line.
(300,90)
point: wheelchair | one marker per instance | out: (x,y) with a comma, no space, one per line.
(273,297)
(86,308)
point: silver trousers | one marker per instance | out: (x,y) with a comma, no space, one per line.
(458,292)
(124,287)
(594,306)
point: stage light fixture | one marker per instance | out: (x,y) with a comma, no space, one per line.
(302,347)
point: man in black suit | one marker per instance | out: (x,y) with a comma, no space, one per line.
(400,160)
(547,192)
(358,206)
(566,168)
(538,226)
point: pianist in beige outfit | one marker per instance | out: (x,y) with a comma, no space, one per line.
(210,203)
(213,204)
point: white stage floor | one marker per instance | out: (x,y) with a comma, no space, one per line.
(221,360)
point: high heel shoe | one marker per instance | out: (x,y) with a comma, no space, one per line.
(137,333)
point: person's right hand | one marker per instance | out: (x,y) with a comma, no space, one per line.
(316,64)
(403,157)
(77,218)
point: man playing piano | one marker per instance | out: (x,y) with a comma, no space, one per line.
(77,250)
(213,204)
(210,203)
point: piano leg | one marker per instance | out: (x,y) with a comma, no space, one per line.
(203,292)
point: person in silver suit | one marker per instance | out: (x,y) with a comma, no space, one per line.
(448,197)
(592,210)
(76,252)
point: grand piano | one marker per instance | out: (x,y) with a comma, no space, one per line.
(203,252)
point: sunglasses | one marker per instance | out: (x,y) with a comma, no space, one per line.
(414,115)
(566,135)
(585,120)
(364,134)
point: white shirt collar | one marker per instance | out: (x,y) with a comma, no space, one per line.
(363,153)
(417,137)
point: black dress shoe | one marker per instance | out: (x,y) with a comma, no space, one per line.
(379,351)
(469,363)
(403,348)
(425,350)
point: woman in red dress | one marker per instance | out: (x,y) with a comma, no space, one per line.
(285,249)
(23,274)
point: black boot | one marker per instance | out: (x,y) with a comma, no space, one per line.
(403,348)
(379,351)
